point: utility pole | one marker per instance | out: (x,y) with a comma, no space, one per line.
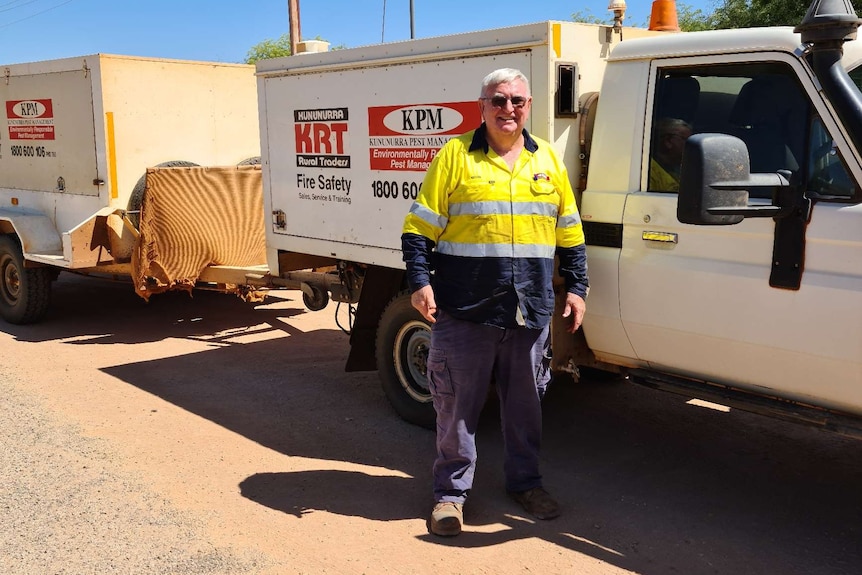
(293,17)
(412,30)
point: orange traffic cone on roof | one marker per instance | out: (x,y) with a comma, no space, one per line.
(663,16)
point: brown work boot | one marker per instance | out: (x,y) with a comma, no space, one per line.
(537,502)
(446,519)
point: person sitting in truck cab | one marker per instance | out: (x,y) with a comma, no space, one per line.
(668,145)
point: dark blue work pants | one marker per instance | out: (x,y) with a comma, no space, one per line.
(463,359)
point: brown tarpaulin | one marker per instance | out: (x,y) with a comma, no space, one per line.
(194,217)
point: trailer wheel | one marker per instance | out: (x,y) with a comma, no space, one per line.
(136,200)
(403,341)
(25,293)
(317,302)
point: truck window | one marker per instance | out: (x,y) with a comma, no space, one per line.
(856,76)
(828,176)
(762,104)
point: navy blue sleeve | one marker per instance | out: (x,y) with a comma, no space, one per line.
(416,251)
(573,269)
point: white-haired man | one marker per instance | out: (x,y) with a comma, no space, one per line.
(495,207)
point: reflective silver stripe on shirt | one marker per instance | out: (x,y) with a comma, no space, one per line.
(496,250)
(569,221)
(428,216)
(507,208)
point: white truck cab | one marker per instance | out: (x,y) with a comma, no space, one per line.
(771,304)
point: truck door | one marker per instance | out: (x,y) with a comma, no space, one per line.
(696,300)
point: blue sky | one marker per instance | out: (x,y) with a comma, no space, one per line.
(221,30)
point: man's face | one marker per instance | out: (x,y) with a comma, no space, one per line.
(505,119)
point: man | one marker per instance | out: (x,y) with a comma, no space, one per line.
(671,134)
(495,207)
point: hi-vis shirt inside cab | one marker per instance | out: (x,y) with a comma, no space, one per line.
(495,232)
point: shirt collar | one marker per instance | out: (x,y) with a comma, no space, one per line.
(480,140)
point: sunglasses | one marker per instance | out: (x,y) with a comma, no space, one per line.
(500,101)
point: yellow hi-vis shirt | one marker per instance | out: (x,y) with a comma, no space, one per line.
(496,230)
(661,180)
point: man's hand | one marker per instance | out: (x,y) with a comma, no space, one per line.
(575,306)
(423,300)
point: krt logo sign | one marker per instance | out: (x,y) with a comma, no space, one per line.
(321,138)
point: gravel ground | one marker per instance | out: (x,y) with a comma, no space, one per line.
(54,478)
(203,436)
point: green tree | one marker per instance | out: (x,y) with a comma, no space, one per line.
(752,13)
(587,17)
(269,49)
(276,49)
(690,19)
(730,14)
(693,19)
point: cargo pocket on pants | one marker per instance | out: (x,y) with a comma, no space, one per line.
(440,382)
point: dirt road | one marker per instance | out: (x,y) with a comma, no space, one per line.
(204,436)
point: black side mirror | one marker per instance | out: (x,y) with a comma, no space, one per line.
(708,159)
(715,181)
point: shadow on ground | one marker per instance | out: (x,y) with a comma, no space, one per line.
(96,311)
(647,482)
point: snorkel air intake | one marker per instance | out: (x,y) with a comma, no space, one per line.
(825,28)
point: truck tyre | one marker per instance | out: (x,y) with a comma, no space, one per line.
(136,200)
(403,341)
(25,293)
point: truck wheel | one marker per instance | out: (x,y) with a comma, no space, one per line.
(403,341)
(319,301)
(136,200)
(25,293)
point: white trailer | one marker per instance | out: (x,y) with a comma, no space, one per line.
(76,139)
